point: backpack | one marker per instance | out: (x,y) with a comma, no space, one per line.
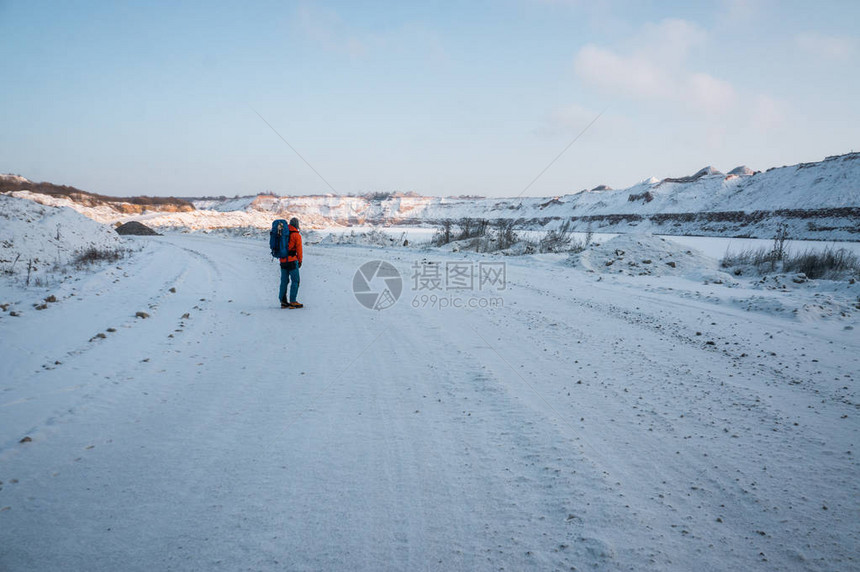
(279,238)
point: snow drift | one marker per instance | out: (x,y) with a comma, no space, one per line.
(643,255)
(44,235)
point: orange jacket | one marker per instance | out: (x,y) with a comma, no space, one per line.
(295,245)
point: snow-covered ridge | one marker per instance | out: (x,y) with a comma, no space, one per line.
(100,213)
(830,184)
(818,200)
(13,178)
(98,207)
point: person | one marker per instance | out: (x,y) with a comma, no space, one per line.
(290,267)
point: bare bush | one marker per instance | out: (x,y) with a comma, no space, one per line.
(93,255)
(443,233)
(562,240)
(472,228)
(576,246)
(779,250)
(756,257)
(556,240)
(505,235)
(828,263)
(467,228)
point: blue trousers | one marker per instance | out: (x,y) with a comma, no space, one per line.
(290,277)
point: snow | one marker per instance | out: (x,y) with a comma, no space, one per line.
(742,171)
(101,213)
(833,183)
(594,420)
(46,235)
(718,247)
(643,255)
(828,184)
(13,178)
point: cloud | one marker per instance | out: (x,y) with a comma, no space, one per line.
(670,41)
(828,47)
(650,70)
(632,75)
(656,69)
(709,94)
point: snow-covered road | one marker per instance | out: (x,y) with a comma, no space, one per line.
(636,425)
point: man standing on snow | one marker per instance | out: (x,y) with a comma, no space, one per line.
(290,267)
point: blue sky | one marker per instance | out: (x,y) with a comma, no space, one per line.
(443,98)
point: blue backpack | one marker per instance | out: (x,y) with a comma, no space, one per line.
(279,238)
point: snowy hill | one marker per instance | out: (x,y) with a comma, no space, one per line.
(16,179)
(46,235)
(819,200)
(98,207)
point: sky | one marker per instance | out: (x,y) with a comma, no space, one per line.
(438,98)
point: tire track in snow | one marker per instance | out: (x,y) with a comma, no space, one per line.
(709,395)
(97,355)
(426,453)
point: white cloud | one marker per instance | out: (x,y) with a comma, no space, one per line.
(670,41)
(634,75)
(652,70)
(656,69)
(709,94)
(829,47)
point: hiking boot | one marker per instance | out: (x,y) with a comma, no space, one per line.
(284,304)
(296,305)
